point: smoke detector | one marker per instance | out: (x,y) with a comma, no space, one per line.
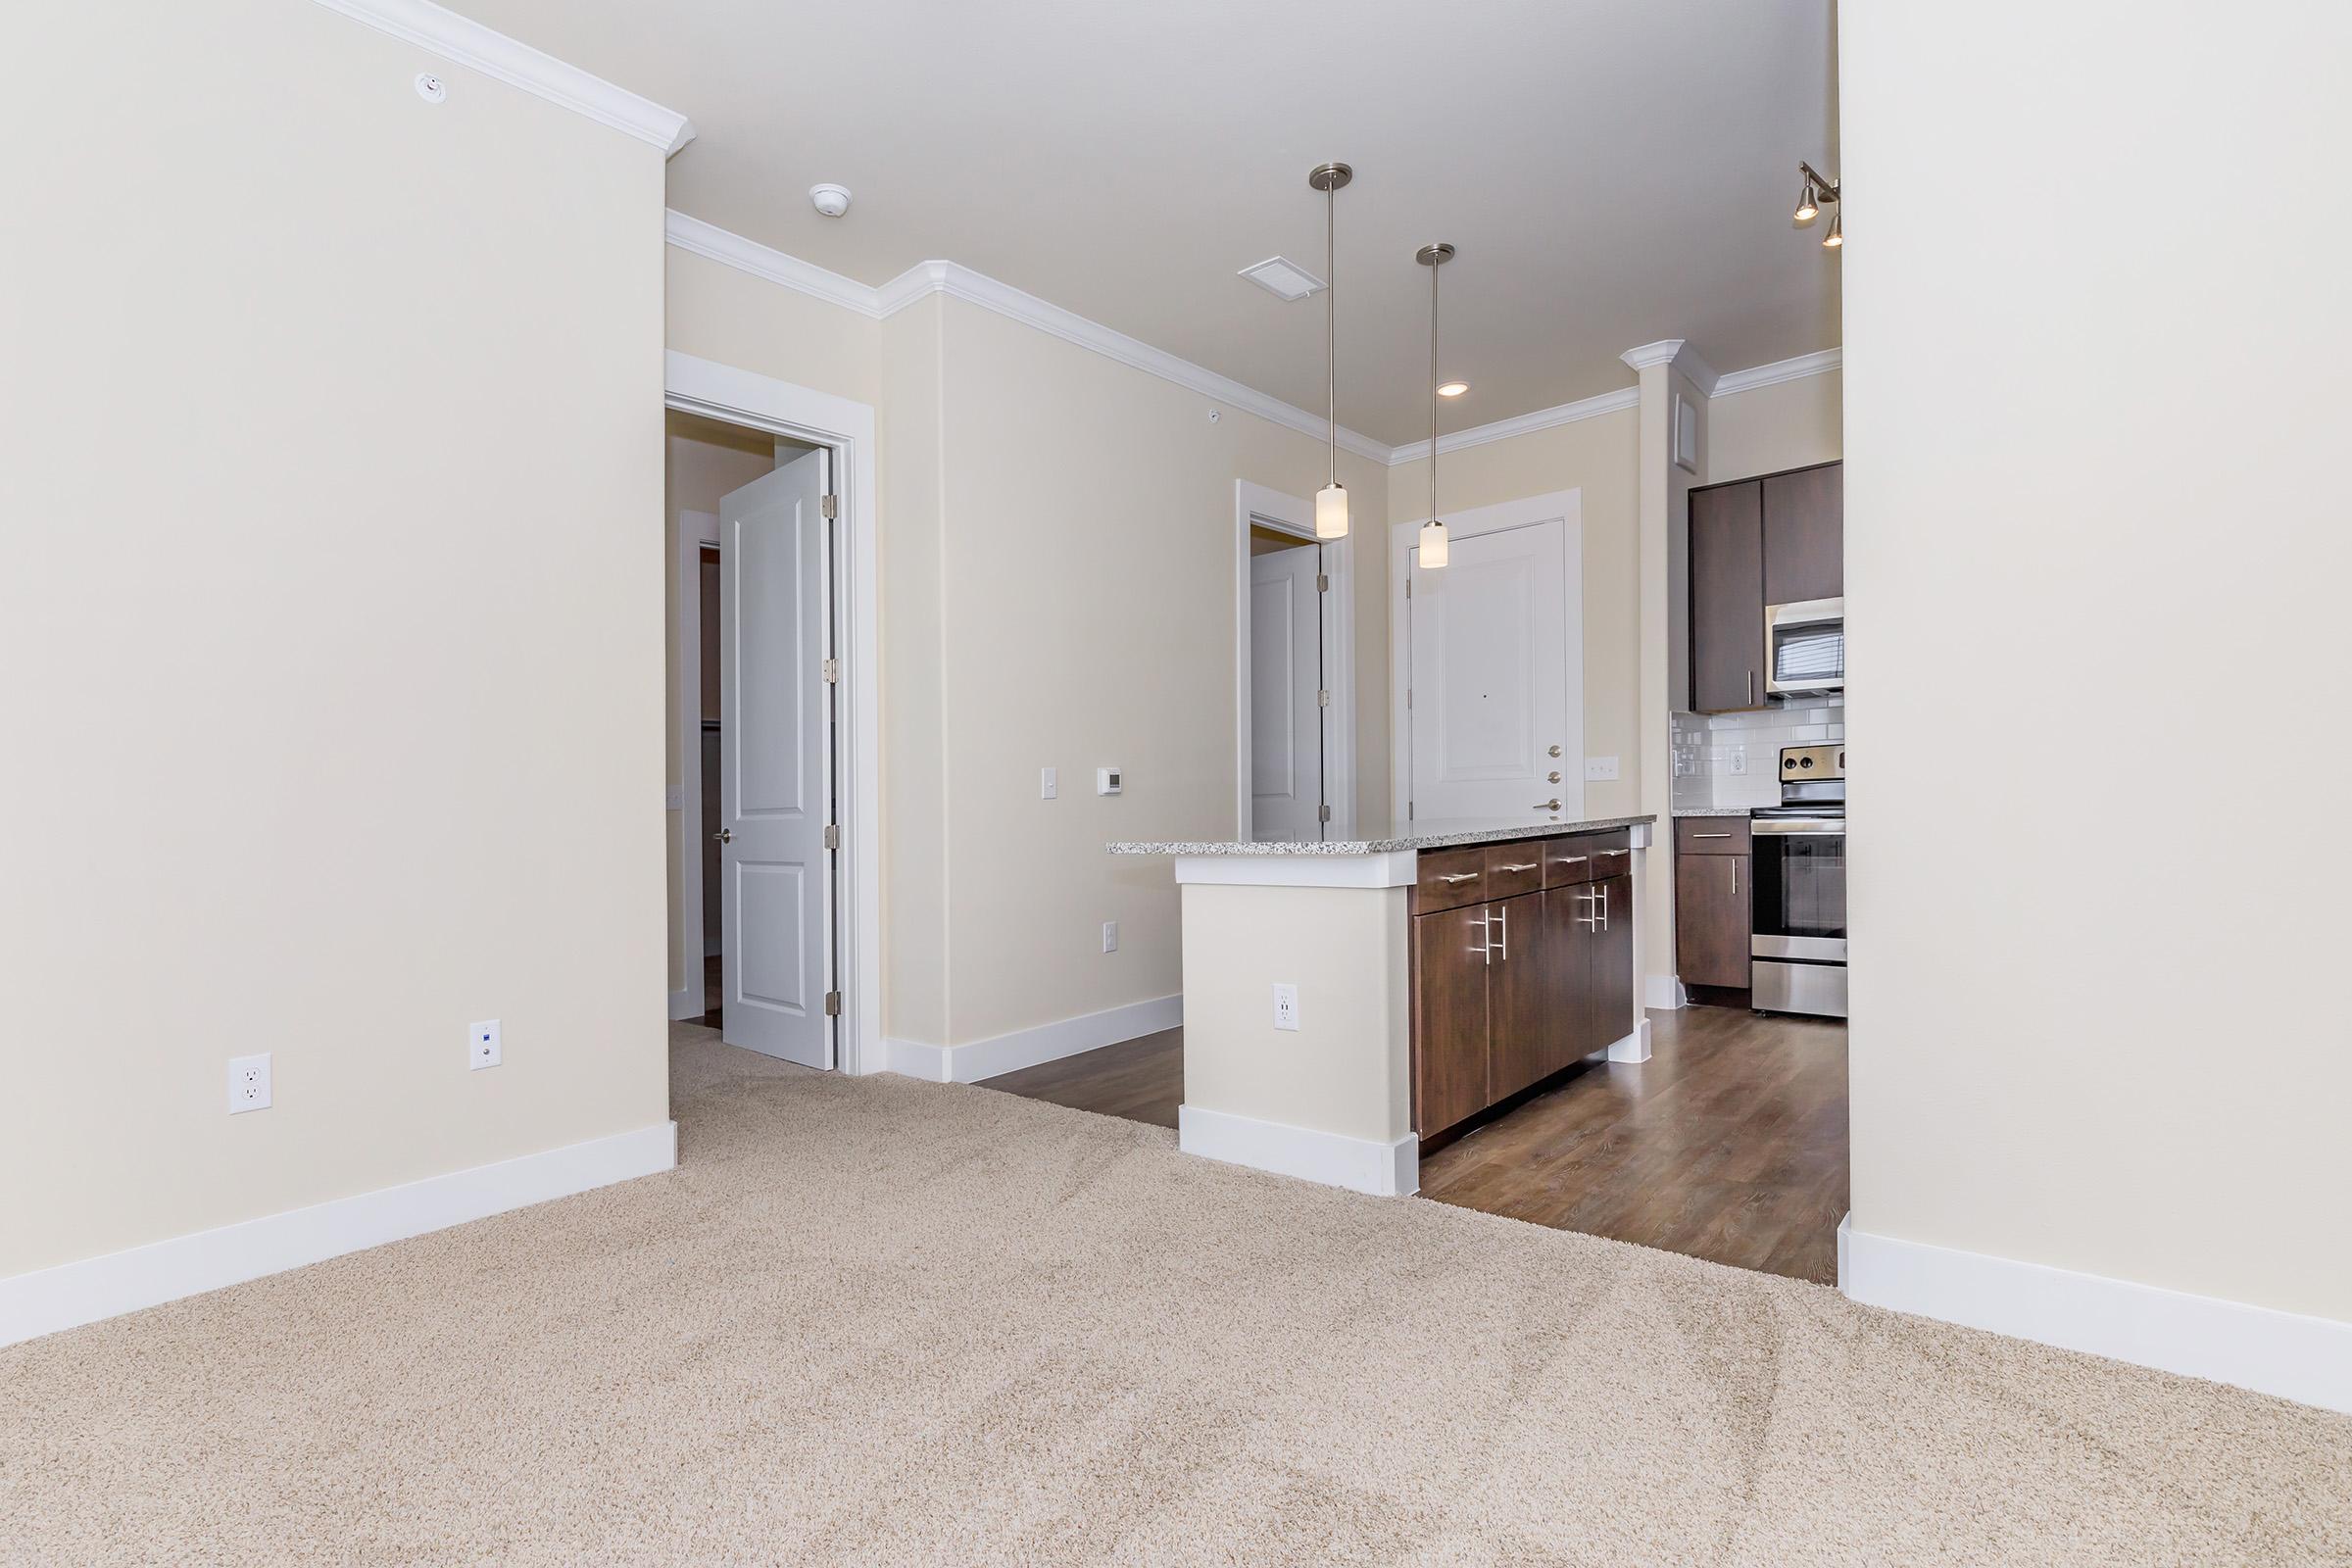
(830,200)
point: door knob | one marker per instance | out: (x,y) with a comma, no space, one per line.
(1555,751)
(1553,777)
(1552,805)
(725,834)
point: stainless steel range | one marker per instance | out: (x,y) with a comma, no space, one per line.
(1797,912)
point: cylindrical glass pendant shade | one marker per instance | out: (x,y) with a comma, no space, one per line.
(1331,511)
(1433,542)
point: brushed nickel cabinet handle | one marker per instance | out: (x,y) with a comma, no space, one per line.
(1530,866)
(1458,876)
(1604,908)
(1710,835)
(1503,918)
(1569,859)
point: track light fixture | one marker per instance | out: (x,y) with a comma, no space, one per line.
(1812,196)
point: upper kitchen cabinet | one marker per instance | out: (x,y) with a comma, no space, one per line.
(1804,535)
(1775,540)
(1726,597)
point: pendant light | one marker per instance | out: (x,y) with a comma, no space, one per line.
(1331,501)
(1432,532)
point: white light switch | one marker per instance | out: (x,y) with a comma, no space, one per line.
(1601,769)
(1048,784)
(1111,936)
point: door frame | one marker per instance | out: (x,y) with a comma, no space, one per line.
(1468,523)
(686,606)
(1291,514)
(846,429)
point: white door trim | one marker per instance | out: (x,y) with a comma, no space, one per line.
(696,531)
(820,418)
(1403,540)
(1255,503)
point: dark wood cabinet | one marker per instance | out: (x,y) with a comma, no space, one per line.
(1450,1025)
(1609,965)
(1804,535)
(1775,540)
(1727,598)
(1527,990)
(1511,988)
(1711,919)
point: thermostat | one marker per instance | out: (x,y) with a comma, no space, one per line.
(1106,781)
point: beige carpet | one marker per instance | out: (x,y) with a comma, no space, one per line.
(897,1323)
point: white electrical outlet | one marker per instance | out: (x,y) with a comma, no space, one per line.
(483,1044)
(1601,769)
(1111,936)
(1048,784)
(249,1083)
(1737,762)
(1286,1006)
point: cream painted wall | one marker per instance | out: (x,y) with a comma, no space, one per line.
(1087,616)
(720,312)
(338,708)
(704,461)
(1765,429)
(2109,1047)
(1600,456)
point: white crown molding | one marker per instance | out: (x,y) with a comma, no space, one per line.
(925,278)
(1520,425)
(1778,371)
(495,55)
(730,249)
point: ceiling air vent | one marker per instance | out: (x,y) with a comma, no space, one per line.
(1280,276)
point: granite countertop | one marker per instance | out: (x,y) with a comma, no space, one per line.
(1710,811)
(1419,841)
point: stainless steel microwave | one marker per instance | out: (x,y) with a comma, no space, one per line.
(1805,647)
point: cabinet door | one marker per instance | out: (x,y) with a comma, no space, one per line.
(1727,598)
(1609,977)
(1450,965)
(1530,1031)
(1711,919)
(1804,535)
(1570,916)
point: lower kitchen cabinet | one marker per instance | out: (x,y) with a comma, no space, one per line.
(1512,989)
(1711,919)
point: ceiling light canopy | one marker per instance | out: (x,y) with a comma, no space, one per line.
(1452,389)
(1331,501)
(1433,553)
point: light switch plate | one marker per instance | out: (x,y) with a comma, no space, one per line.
(1601,769)
(1048,784)
(1111,936)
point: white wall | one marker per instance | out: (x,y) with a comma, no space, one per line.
(336,715)
(2092,1026)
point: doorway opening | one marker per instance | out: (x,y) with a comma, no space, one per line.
(1294,655)
(753,891)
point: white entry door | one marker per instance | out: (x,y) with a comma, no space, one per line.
(775,785)
(1495,736)
(1286,684)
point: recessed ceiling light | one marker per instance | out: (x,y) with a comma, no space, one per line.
(1280,276)
(1452,389)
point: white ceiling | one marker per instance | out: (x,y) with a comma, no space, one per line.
(1613,171)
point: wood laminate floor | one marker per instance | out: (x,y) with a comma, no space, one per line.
(1729,1144)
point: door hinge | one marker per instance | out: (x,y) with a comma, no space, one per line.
(1322,699)
(830,507)
(1322,582)
(1409,699)
(832,835)
(833,670)
(1408,811)
(1323,813)
(832,1004)
(1408,587)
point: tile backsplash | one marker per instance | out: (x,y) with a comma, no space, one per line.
(1733,760)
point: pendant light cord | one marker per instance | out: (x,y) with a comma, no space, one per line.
(1433,394)
(1330,329)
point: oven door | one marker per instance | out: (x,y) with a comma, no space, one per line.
(1805,647)
(1798,880)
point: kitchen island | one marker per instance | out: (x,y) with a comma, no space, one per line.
(1345,1000)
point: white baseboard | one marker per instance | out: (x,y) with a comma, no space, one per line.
(1633,1046)
(691,1003)
(1360,1164)
(2296,1357)
(1664,992)
(1027,1048)
(53,1298)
